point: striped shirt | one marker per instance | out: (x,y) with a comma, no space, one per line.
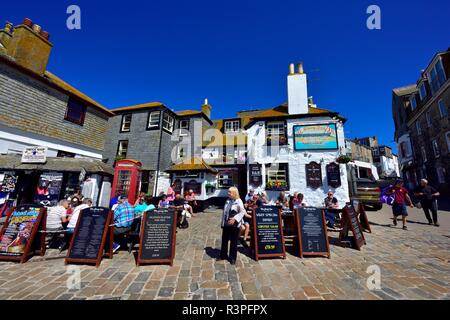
(124,215)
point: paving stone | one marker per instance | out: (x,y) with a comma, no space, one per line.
(166,291)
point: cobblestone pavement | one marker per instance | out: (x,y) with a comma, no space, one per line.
(414,264)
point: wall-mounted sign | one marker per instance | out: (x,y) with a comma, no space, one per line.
(315,137)
(34,155)
(333,175)
(255,175)
(313,175)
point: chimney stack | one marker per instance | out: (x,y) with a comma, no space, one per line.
(297,90)
(206,109)
(6,34)
(29,46)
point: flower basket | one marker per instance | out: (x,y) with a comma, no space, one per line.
(343,159)
(277,186)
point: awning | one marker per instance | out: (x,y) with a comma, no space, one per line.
(192,165)
(13,162)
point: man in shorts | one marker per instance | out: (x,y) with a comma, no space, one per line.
(401,197)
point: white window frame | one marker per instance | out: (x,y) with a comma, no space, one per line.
(442,108)
(429,120)
(232,126)
(150,119)
(435,146)
(183,129)
(121,149)
(276,128)
(168,122)
(424,154)
(123,122)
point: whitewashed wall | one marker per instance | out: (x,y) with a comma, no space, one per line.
(258,153)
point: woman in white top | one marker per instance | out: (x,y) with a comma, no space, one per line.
(233,215)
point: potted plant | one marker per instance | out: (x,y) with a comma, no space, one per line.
(343,159)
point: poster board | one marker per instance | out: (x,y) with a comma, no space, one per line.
(21,236)
(315,137)
(350,222)
(312,232)
(268,233)
(89,237)
(158,237)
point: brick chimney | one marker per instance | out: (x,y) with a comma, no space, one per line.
(29,46)
(297,90)
(6,34)
(206,109)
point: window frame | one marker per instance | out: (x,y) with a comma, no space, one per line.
(447,137)
(282,142)
(118,148)
(439,176)
(154,127)
(442,106)
(424,154)
(182,133)
(413,105)
(122,122)
(170,117)
(429,119)
(281,167)
(234,179)
(437,80)
(422,86)
(233,122)
(435,147)
(80,121)
(418,127)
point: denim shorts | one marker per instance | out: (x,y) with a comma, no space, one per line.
(399,209)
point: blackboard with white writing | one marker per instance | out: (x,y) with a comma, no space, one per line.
(89,236)
(157,243)
(312,232)
(268,233)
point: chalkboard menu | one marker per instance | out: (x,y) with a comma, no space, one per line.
(312,232)
(88,240)
(158,237)
(268,233)
(363,220)
(20,234)
(313,175)
(351,223)
(255,176)
(333,175)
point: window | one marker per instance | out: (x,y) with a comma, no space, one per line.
(428,116)
(422,91)
(436,76)
(277,177)
(126,123)
(276,133)
(413,102)
(184,126)
(181,153)
(403,149)
(440,174)
(436,151)
(232,126)
(122,149)
(65,154)
(153,120)
(442,108)
(418,127)
(75,112)
(227,178)
(168,121)
(424,154)
(447,135)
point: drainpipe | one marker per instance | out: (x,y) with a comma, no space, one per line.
(159,158)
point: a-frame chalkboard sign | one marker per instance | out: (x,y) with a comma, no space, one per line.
(363,220)
(22,234)
(268,239)
(90,235)
(158,237)
(350,222)
(312,232)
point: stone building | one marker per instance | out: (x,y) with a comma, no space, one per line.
(426,107)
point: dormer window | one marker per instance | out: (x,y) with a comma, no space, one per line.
(437,76)
(232,126)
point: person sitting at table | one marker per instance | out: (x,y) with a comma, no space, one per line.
(263,199)
(245,227)
(149,203)
(296,201)
(73,219)
(332,209)
(191,198)
(163,203)
(139,198)
(282,201)
(56,217)
(124,215)
(140,206)
(180,206)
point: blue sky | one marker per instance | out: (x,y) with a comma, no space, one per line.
(236,53)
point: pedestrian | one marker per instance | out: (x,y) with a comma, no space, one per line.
(123,219)
(428,199)
(400,198)
(233,214)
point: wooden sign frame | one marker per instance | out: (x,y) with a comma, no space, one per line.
(300,244)
(107,232)
(363,220)
(347,225)
(32,247)
(255,239)
(140,261)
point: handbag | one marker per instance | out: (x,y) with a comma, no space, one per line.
(231,215)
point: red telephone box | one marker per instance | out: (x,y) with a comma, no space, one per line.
(127,176)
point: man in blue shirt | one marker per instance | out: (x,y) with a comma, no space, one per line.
(123,219)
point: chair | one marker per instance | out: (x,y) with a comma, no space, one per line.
(132,237)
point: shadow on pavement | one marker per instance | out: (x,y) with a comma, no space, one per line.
(212,252)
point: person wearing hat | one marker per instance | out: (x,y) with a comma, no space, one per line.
(401,197)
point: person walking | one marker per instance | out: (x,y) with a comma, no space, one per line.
(233,214)
(400,198)
(428,199)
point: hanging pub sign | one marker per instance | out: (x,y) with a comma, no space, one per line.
(312,232)
(158,237)
(333,175)
(268,233)
(255,175)
(313,175)
(194,185)
(36,154)
(351,223)
(315,137)
(92,236)
(21,235)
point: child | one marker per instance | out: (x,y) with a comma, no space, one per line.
(399,206)
(163,203)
